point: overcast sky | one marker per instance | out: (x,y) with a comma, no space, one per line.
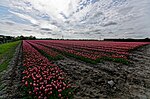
(86,19)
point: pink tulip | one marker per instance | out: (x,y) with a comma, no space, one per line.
(59,95)
(60,90)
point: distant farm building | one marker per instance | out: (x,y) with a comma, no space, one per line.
(4,39)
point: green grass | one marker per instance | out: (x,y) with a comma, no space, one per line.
(6,53)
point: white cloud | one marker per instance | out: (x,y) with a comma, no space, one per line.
(40,23)
(27,17)
(45,24)
(82,18)
(4,2)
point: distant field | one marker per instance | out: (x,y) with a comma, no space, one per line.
(88,51)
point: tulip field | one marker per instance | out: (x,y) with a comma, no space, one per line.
(89,51)
(44,80)
(74,69)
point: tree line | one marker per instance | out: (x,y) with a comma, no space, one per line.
(5,39)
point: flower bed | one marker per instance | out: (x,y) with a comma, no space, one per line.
(93,50)
(42,79)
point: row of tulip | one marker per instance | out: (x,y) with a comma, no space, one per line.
(49,53)
(93,50)
(85,52)
(41,78)
(72,51)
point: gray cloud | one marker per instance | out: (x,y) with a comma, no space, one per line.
(34,25)
(125,10)
(46,29)
(9,23)
(27,30)
(109,23)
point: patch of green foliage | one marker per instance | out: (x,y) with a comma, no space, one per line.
(6,53)
(118,60)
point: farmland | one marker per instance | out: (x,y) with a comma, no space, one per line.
(66,69)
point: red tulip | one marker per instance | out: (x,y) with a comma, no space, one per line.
(26,84)
(46,90)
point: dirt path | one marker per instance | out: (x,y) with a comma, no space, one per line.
(139,75)
(111,80)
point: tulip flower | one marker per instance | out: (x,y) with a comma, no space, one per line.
(40,76)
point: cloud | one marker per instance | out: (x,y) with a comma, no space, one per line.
(27,17)
(4,2)
(109,23)
(46,29)
(76,18)
(9,23)
(47,25)
(27,30)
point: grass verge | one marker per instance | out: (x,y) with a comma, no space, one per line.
(6,53)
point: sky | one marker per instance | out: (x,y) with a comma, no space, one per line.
(75,19)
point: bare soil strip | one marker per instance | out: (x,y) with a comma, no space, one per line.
(109,79)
